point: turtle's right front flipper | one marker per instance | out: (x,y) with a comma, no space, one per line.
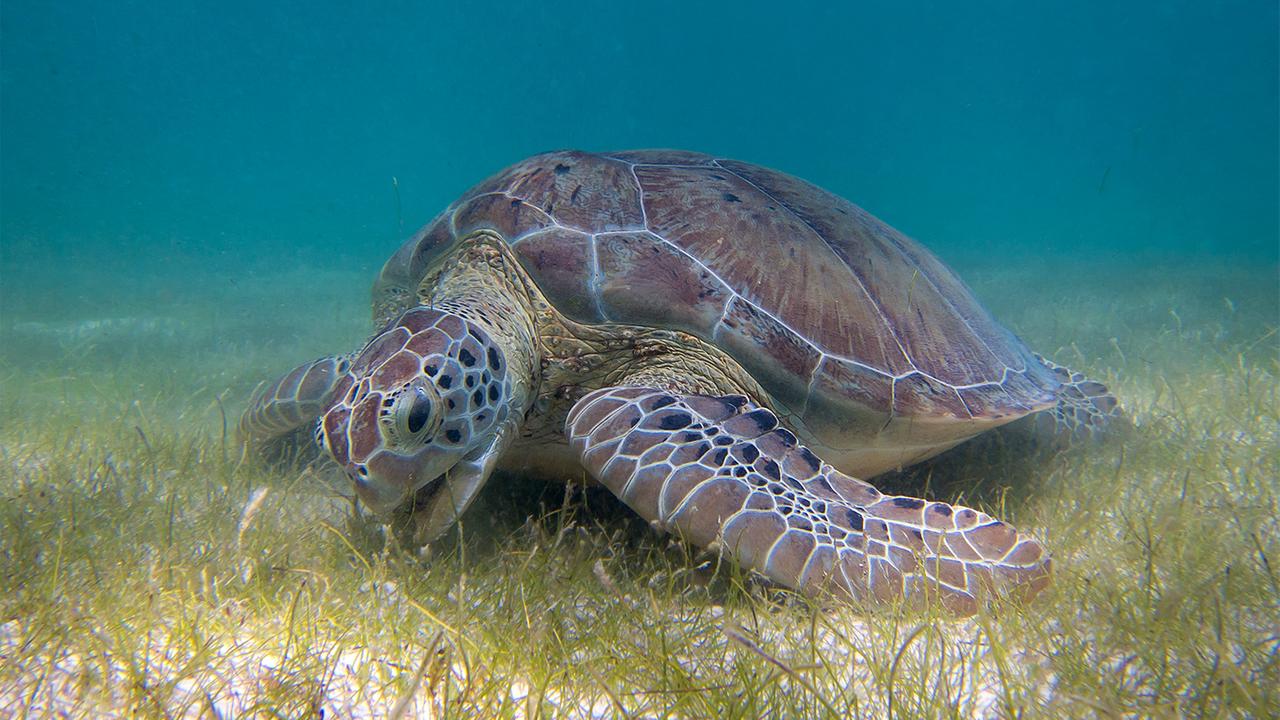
(281,415)
(720,472)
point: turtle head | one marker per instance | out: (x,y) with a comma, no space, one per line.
(424,394)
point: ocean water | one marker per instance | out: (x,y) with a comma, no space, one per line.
(239,132)
(195,197)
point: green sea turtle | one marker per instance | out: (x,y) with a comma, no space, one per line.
(723,346)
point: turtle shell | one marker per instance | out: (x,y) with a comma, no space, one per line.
(829,308)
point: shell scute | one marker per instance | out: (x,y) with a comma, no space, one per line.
(562,262)
(771,257)
(767,348)
(577,190)
(635,268)
(512,217)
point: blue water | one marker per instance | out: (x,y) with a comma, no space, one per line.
(139,136)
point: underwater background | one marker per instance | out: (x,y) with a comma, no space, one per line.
(147,137)
(195,197)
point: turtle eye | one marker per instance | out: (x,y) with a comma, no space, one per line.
(419,411)
(414,415)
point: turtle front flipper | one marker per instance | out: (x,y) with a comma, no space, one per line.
(720,472)
(1085,407)
(281,415)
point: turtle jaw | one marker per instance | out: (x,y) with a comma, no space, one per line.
(388,479)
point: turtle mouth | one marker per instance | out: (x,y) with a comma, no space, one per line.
(422,497)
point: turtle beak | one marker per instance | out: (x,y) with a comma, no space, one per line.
(460,487)
(388,479)
(446,503)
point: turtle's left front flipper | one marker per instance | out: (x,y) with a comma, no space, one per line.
(721,472)
(281,415)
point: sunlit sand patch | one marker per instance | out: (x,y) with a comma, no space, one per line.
(248,669)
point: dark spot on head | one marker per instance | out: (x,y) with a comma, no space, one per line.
(485,377)
(516,204)
(495,362)
(917,534)
(561,168)
(663,402)
(718,458)
(730,197)
(943,510)
(689,437)
(740,471)
(703,449)
(675,421)
(814,463)
(453,436)
(445,381)
(787,437)
(771,469)
(477,398)
(471,381)
(854,517)
(466,358)
(494,393)
(724,440)
(908,503)
(763,419)
(750,452)
(431,369)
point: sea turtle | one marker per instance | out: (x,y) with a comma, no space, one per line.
(723,346)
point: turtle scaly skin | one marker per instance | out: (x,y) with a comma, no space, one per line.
(623,313)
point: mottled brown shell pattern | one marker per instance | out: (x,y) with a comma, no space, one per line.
(818,299)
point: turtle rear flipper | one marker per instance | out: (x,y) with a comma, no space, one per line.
(280,420)
(1085,407)
(721,472)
